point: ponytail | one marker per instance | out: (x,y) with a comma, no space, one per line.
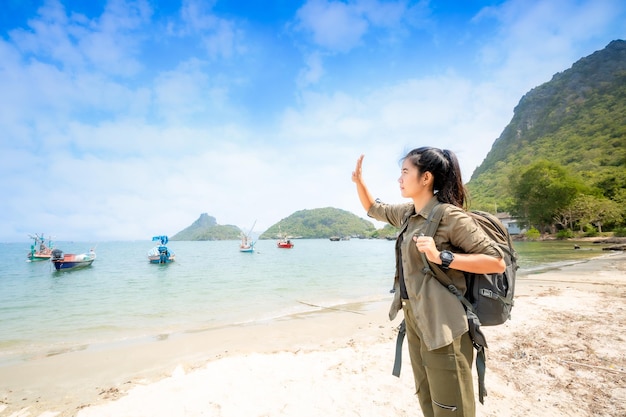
(444,166)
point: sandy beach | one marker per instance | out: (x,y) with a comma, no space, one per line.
(563,353)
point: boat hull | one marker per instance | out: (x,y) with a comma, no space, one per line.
(161,259)
(65,266)
(284,245)
(38,257)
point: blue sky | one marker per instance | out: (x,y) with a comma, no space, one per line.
(121,120)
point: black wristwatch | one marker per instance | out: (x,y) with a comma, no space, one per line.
(446,258)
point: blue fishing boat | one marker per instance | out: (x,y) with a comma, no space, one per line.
(247,244)
(161,254)
(66,261)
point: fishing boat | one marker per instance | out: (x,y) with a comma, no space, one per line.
(39,250)
(247,244)
(161,254)
(283,240)
(284,243)
(67,261)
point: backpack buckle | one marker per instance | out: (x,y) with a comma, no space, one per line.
(487,293)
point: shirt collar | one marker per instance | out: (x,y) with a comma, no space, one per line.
(425,211)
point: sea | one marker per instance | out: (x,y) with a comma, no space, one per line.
(121,297)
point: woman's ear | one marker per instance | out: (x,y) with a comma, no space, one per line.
(427,178)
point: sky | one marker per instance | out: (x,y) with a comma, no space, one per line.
(121,120)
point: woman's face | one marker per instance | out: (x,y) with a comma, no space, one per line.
(410,181)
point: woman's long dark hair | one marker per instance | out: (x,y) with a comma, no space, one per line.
(443,165)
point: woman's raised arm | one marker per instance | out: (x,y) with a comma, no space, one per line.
(364,195)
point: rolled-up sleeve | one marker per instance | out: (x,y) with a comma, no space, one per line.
(389,213)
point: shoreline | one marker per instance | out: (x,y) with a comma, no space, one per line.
(86,382)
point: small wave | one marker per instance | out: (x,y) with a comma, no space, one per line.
(538,269)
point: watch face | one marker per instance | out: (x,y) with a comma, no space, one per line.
(446,258)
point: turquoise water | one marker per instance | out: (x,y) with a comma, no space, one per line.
(123,297)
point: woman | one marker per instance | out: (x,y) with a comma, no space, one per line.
(440,347)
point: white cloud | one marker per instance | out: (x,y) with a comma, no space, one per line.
(197,16)
(386,14)
(313,72)
(339,26)
(72,41)
(446,111)
(222,38)
(333,25)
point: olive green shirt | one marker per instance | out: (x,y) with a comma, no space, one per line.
(440,316)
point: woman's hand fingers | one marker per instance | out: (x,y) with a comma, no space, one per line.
(356,174)
(424,243)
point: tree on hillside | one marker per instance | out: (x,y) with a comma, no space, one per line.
(588,209)
(542,191)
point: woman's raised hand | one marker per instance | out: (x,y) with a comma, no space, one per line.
(356,174)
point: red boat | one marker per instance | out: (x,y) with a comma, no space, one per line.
(285,243)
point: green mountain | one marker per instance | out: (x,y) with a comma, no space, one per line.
(206,228)
(320,223)
(577,121)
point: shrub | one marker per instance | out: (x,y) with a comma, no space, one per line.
(619,232)
(532,234)
(590,231)
(565,234)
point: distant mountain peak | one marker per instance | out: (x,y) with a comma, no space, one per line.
(205,221)
(206,228)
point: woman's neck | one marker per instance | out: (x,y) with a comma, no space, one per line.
(421,200)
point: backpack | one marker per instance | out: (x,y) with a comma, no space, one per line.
(489,297)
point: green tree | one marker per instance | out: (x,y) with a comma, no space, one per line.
(542,191)
(589,209)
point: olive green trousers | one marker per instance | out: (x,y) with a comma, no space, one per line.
(443,377)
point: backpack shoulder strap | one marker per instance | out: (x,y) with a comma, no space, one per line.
(432,223)
(433,219)
(397,362)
